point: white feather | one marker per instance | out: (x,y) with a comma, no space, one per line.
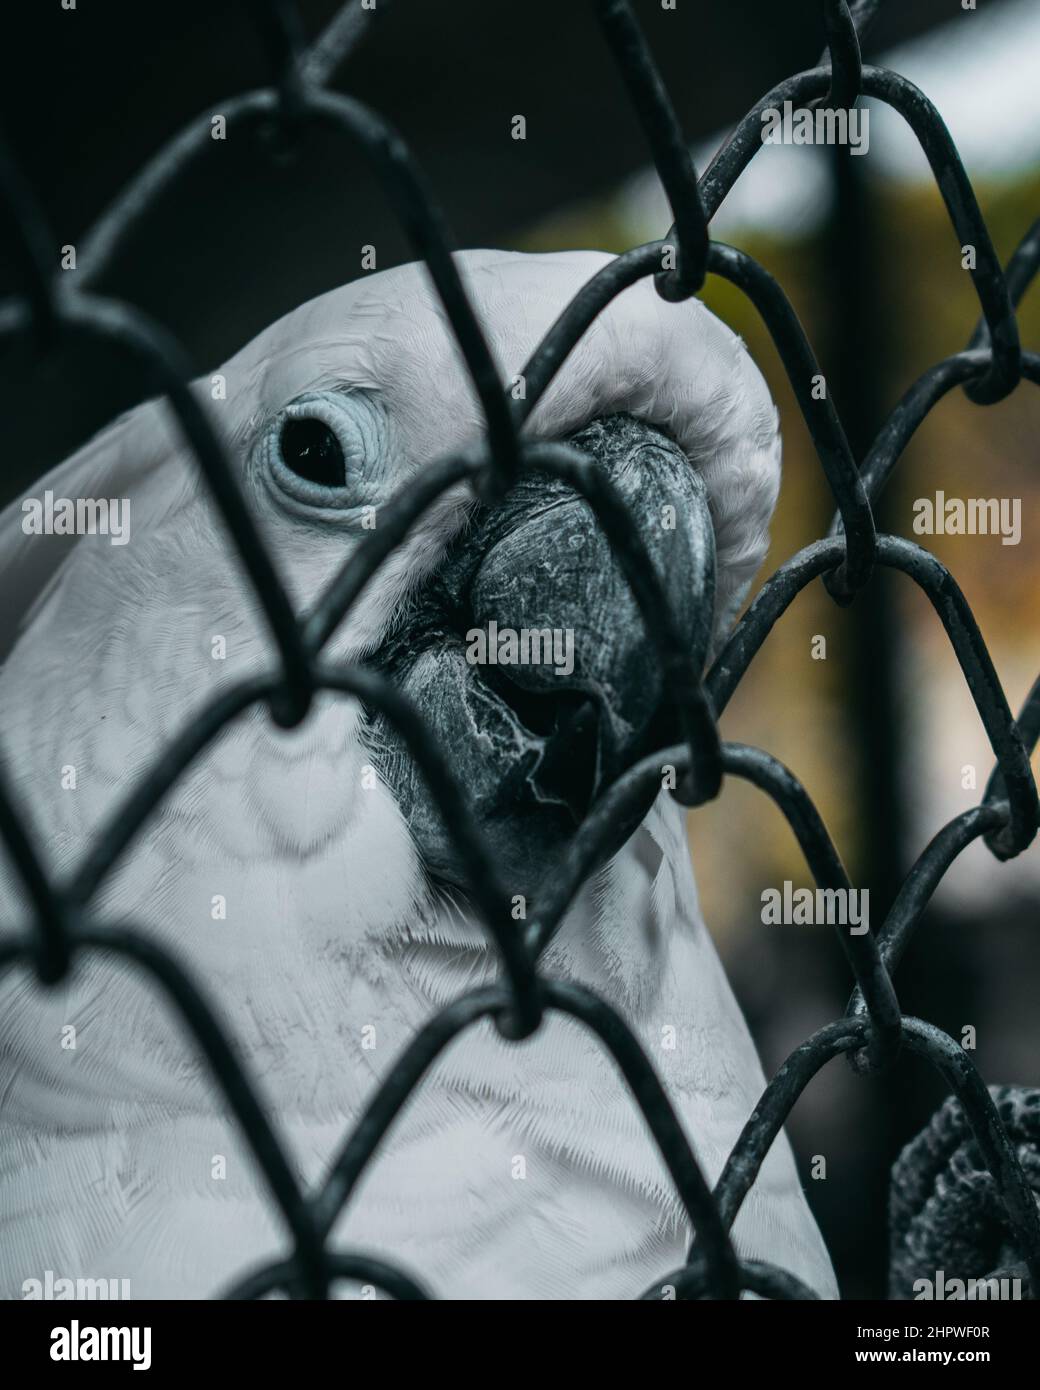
(107,1152)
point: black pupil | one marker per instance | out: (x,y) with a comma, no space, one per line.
(313,452)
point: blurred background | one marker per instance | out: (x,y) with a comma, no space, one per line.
(881,731)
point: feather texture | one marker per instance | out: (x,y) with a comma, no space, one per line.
(110,1152)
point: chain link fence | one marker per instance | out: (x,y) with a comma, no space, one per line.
(873,1029)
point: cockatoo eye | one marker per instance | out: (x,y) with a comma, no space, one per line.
(325,451)
(310,449)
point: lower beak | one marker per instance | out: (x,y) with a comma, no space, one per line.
(529,660)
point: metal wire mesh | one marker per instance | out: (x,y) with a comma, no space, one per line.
(873,1029)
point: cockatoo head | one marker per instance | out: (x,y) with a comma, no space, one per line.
(340,406)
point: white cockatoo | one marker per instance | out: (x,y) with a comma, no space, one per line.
(289,881)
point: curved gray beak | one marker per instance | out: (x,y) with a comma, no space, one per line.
(529,659)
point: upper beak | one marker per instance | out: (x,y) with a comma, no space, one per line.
(528,658)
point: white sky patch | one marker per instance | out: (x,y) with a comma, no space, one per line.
(981,71)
